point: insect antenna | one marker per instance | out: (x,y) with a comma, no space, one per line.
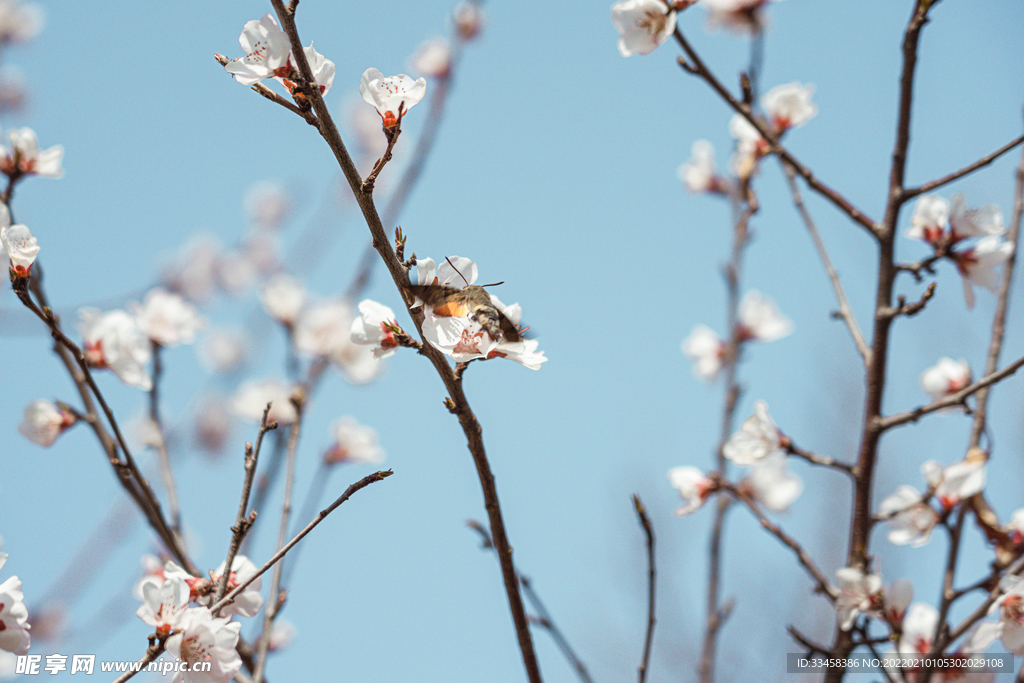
(494,284)
(457,270)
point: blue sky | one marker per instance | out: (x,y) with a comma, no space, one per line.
(555,170)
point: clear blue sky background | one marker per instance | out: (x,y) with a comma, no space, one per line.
(556,171)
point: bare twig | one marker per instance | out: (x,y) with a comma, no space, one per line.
(1002,306)
(237,590)
(645,523)
(845,312)
(816,459)
(161,447)
(242,520)
(273,604)
(911,309)
(470,425)
(155,649)
(884,423)
(802,556)
(970,168)
(698,68)
(544,618)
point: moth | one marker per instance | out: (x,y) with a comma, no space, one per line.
(472,302)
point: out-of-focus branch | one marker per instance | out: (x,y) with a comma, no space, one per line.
(166,473)
(470,425)
(816,459)
(845,312)
(645,524)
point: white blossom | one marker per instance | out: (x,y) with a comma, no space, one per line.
(203,638)
(24,158)
(432,58)
(167,318)
(164,604)
(283,298)
(393,96)
(375,327)
(44,422)
(858,593)
(693,486)
(911,519)
(21,247)
(789,106)
(946,377)
(698,174)
(266,49)
(760,318)
(14,626)
(353,442)
(772,484)
(251,399)
(757,438)
(978,264)
(642,25)
(114,340)
(705,349)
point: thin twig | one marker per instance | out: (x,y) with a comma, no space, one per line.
(1002,307)
(645,523)
(816,459)
(802,556)
(884,423)
(470,425)
(161,447)
(956,175)
(544,618)
(155,649)
(237,590)
(273,604)
(701,70)
(242,520)
(845,312)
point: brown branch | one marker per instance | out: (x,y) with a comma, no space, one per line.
(816,459)
(699,69)
(266,92)
(275,596)
(884,423)
(155,649)
(237,590)
(161,448)
(645,524)
(544,618)
(911,309)
(1002,306)
(470,425)
(243,521)
(956,175)
(845,312)
(802,556)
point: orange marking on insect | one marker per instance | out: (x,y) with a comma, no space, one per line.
(452,309)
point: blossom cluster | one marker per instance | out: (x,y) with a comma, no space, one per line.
(974,239)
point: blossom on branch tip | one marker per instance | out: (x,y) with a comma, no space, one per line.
(376,327)
(249,601)
(432,58)
(266,49)
(956,482)
(750,147)
(21,247)
(946,377)
(252,397)
(761,320)
(44,422)
(706,350)
(772,485)
(24,158)
(353,442)
(693,485)
(698,174)
(468,19)
(858,593)
(393,96)
(740,16)
(928,222)
(1010,609)
(203,638)
(911,518)
(978,264)
(789,106)
(757,438)
(163,605)
(114,340)
(14,626)
(643,25)
(933,215)
(283,298)
(322,68)
(167,318)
